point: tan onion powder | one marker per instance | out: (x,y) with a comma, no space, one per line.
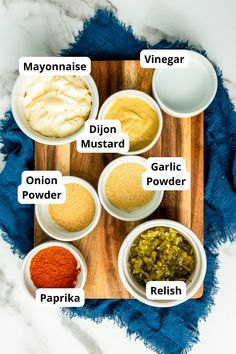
(77,212)
(124,187)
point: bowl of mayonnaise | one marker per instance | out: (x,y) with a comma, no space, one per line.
(53,109)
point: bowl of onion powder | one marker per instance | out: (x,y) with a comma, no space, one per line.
(74,219)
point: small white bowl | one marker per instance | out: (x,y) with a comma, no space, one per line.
(20,87)
(138,94)
(137,213)
(138,291)
(185,92)
(57,232)
(25,273)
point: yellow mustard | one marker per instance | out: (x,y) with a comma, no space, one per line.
(138,119)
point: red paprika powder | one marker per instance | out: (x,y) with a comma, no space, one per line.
(54,267)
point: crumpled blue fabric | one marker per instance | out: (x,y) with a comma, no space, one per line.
(165,330)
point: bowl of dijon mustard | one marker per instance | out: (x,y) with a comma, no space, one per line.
(139,115)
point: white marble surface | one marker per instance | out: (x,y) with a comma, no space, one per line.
(43,28)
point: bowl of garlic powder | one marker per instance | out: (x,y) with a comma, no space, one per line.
(53,109)
(121,193)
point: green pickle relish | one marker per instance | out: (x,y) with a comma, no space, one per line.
(163,254)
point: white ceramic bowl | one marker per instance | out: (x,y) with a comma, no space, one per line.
(185,92)
(20,87)
(138,291)
(28,283)
(137,213)
(139,94)
(57,232)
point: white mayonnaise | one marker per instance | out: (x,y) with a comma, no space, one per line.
(57,106)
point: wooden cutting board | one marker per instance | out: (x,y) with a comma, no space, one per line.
(180,137)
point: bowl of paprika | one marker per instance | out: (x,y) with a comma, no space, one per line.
(53,264)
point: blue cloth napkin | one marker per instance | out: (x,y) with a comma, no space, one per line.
(170,330)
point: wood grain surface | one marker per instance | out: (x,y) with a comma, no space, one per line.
(180,137)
